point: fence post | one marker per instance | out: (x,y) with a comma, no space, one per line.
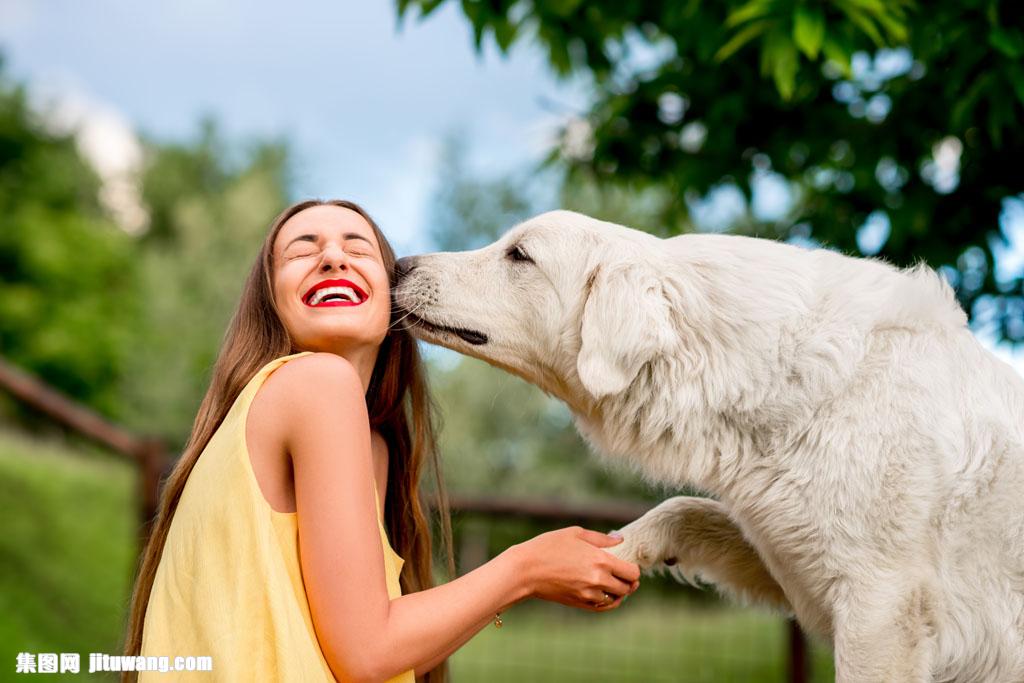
(148,454)
(798,664)
(153,463)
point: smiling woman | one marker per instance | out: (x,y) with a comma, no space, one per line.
(272,550)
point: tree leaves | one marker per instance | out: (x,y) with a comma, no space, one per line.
(755,9)
(561,8)
(741,38)
(1009,41)
(839,55)
(1015,73)
(809,30)
(779,56)
(806,23)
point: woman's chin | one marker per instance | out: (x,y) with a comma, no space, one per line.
(341,338)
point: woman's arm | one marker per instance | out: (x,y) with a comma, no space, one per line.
(463,639)
(321,416)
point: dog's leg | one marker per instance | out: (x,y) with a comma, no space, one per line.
(884,632)
(695,536)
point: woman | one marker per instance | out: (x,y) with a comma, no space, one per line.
(271,553)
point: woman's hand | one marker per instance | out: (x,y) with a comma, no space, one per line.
(568,566)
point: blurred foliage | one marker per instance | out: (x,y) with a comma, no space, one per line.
(893,127)
(501,434)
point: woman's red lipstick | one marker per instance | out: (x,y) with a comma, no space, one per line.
(323,284)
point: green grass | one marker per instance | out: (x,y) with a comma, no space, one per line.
(651,638)
(67,550)
(67,556)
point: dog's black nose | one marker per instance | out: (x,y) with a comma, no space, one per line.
(404,266)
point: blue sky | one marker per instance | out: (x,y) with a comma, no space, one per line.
(364,101)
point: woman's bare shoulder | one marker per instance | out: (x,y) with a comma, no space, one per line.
(305,389)
(291,402)
(319,368)
(303,383)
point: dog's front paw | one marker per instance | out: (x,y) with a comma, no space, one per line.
(640,546)
(663,538)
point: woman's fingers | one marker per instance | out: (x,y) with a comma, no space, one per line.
(611,605)
(608,594)
(598,601)
(617,587)
(627,571)
(605,602)
(598,596)
(599,539)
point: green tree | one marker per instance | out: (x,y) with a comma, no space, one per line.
(67,276)
(895,125)
(210,204)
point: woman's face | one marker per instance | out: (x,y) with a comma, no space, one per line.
(330,284)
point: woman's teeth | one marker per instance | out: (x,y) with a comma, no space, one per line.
(334,294)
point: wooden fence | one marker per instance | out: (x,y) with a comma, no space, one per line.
(149,455)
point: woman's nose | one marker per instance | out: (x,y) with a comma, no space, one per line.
(334,257)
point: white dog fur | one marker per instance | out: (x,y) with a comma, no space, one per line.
(864,452)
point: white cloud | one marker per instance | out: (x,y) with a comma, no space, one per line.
(106,140)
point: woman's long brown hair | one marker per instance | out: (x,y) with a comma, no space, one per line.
(399,407)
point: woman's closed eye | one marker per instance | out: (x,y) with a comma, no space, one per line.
(305,251)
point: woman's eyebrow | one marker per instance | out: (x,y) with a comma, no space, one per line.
(304,238)
(357,236)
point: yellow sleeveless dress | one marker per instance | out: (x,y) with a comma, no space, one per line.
(229,584)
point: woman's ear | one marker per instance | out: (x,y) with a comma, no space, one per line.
(626,322)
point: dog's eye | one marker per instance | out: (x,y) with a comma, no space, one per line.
(516,253)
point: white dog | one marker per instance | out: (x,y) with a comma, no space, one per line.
(865,452)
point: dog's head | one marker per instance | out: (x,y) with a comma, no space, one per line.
(563,300)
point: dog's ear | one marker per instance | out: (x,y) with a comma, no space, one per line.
(626,322)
